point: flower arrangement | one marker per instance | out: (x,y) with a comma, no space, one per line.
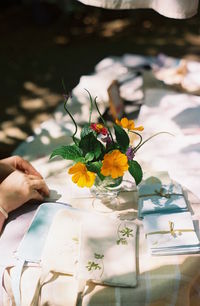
(102,151)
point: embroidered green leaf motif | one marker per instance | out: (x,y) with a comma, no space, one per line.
(98,256)
(127,232)
(123,234)
(93,266)
(122,241)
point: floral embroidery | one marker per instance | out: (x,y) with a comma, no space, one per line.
(96,265)
(123,234)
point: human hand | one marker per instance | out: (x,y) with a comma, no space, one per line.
(18,163)
(5,170)
(19,188)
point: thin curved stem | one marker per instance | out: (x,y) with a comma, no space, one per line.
(76,128)
(91,105)
(138,147)
(139,141)
(65,107)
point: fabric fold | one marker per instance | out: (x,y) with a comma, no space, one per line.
(172,8)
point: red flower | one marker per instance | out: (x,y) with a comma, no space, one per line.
(99,128)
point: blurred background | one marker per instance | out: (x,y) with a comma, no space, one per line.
(43,42)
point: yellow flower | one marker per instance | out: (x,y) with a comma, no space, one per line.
(81,176)
(129,124)
(114,164)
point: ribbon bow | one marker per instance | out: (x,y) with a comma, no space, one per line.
(171,231)
(162,193)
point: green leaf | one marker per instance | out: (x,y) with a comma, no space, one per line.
(89,143)
(89,156)
(96,168)
(85,130)
(135,170)
(71,152)
(121,137)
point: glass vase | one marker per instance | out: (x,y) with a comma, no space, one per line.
(106,192)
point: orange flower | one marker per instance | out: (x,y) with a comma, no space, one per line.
(81,176)
(114,164)
(129,124)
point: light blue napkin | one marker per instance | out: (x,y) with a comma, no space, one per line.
(31,246)
(155,198)
(169,234)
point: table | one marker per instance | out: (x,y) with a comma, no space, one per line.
(166,280)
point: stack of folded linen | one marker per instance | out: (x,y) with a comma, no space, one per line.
(170,234)
(157,198)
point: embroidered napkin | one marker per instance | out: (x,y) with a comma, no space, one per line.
(169,234)
(155,198)
(108,251)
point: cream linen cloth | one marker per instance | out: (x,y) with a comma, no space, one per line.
(74,232)
(155,198)
(171,233)
(162,280)
(60,254)
(108,251)
(170,8)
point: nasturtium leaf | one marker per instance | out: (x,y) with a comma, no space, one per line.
(89,143)
(89,156)
(85,130)
(135,170)
(96,167)
(121,137)
(71,152)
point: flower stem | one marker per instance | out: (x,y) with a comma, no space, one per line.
(91,105)
(65,107)
(135,149)
(141,144)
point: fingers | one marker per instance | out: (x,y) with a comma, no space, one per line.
(40,185)
(35,195)
(26,167)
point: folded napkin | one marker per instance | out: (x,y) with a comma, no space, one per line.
(169,234)
(155,198)
(31,246)
(60,253)
(108,251)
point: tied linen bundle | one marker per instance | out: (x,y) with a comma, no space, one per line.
(157,198)
(170,234)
